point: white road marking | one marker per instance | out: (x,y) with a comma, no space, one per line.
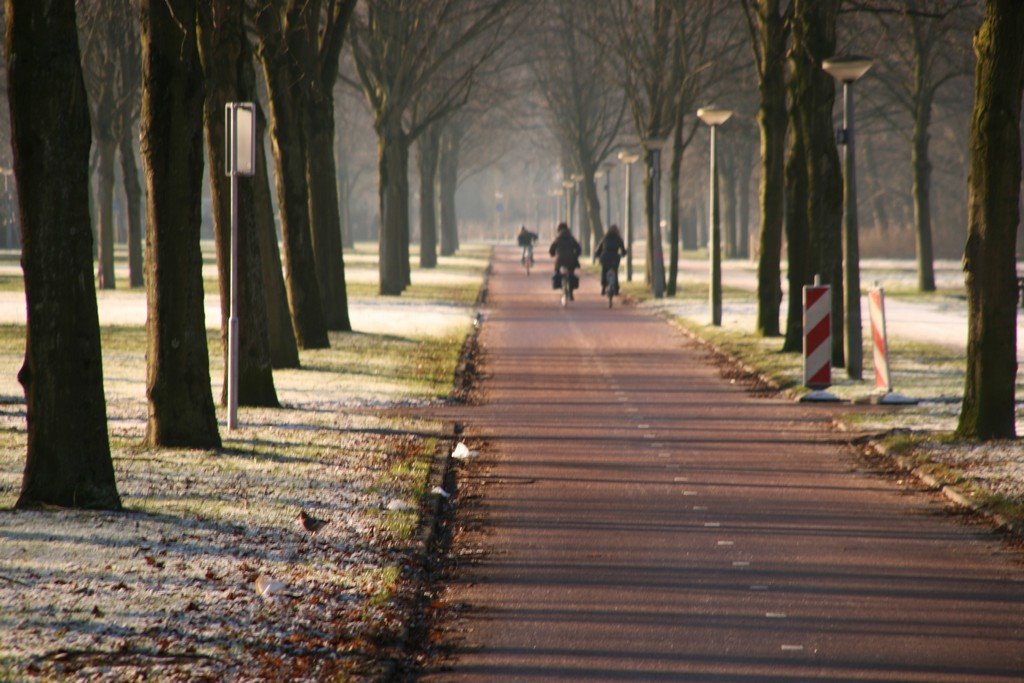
(725,543)
(775,615)
(792,648)
(741,564)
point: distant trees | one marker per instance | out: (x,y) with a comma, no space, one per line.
(926,51)
(111,63)
(990,269)
(68,461)
(585,105)
(402,47)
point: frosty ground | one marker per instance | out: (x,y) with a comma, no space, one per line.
(171,587)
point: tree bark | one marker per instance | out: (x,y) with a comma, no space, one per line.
(68,459)
(428,150)
(727,183)
(814,37)
(344,200)
(227,60)
(592,209)
(743,174)
(448,183)
(287,104)
(802,253)
(994,196)
(922,191)
(133,209)
(675,177)
(106,150)
(321,174)
(181,411)
(284,350)
(393,162)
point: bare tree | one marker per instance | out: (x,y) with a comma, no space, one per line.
(988,410)
(68,461)
(401,47)
(283,28)
(230,77)
(181,410)
(814,185)
(767,21)
(110,59)
(585,105)
(922,57)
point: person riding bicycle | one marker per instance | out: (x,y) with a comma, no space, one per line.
(566,251)
(525,239)
(610,250)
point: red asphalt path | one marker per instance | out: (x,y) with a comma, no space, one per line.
(645,519)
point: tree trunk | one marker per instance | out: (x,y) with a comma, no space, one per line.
(592,209)
(284,351)
(771,119)
(286,113)
(68,460)
(448,183)
(225,54)
(133,208)
(814,37)
(994,195)
(743,174)
(922,166)
(393,161)
(344,200)
(802,255)
(105,212)
(427,148)
(674,174)
(321,175)
(181,411)
(727,183)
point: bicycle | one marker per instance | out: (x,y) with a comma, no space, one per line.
(611,284)
(527,258)
(567,276)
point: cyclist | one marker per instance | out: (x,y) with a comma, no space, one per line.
(566,251)
(525,239)
(610,250)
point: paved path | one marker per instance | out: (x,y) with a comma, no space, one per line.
(645,519)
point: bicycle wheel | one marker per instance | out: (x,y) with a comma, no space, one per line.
(611,286)
(566,288)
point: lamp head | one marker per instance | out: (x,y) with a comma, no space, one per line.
(714,116)
(847,68)
(628,157)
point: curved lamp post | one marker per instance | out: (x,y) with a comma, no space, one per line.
(655,258)
(628,158)
(848,69)
(714,117)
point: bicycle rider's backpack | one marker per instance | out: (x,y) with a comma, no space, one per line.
(556,281)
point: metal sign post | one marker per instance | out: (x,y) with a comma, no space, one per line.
(240,156)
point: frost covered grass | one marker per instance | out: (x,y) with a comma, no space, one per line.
(208,573)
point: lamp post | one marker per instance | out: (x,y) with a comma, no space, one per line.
(577,211)
(714,117)
(848,69)
(556,205)
(628,159)
(655,258)
(567,192)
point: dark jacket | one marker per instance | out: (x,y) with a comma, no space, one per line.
(566,251)
(610,250)
(527,238)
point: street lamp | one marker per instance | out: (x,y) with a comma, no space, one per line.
(848,69)
(655,259)
(628,158)
(714,117)
(557,205)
